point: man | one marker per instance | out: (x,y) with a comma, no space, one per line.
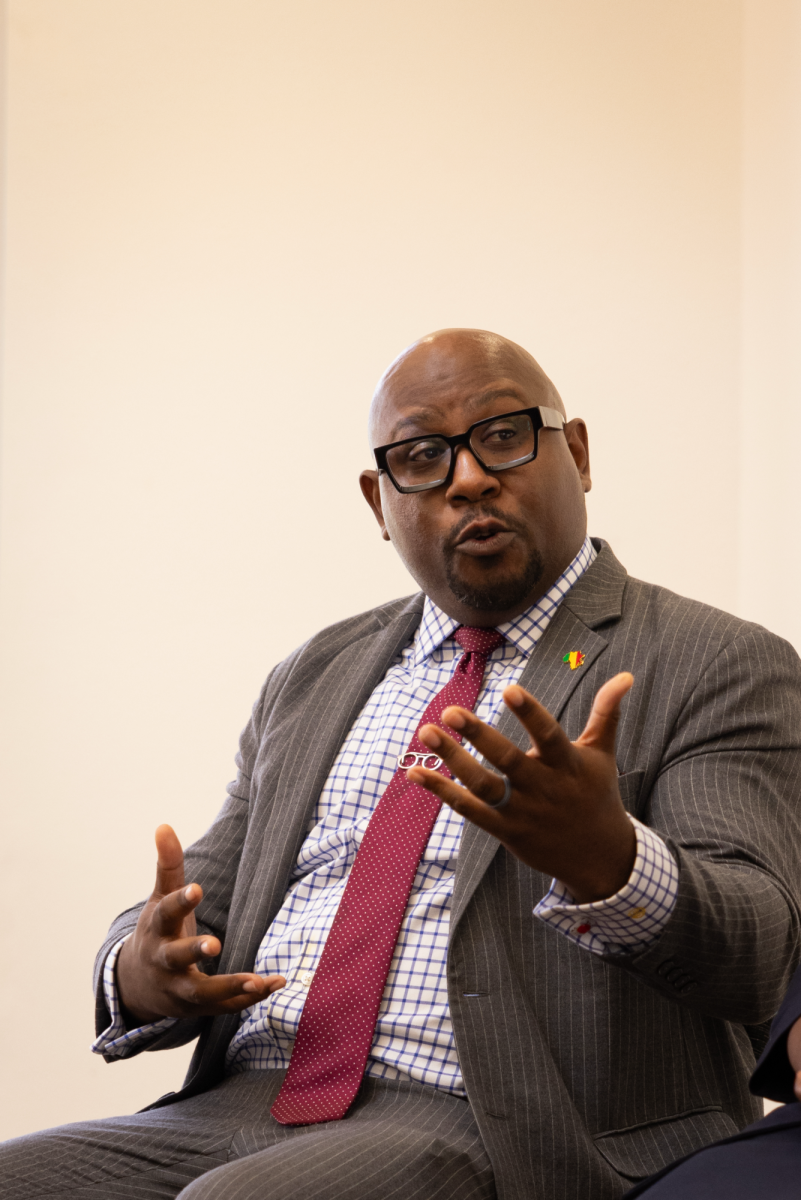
(549,985)
(766,1153)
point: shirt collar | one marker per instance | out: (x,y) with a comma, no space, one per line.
(524,631)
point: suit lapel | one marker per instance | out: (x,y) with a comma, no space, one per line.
(597,597)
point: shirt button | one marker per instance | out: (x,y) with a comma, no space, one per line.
(306,978)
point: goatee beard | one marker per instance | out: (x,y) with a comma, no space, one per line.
(496,595)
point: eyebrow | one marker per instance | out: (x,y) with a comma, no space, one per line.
(432,415)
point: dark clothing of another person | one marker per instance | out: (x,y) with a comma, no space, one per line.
(765,1158)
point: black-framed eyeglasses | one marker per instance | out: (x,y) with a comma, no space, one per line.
(499,443)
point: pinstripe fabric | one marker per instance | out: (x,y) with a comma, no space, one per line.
(401,1141)
(583,1071)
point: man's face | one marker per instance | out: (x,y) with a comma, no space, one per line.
(487,545)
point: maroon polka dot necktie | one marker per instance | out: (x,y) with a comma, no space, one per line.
(338,1020)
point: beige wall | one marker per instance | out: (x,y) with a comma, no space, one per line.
(222,220)
(770,429)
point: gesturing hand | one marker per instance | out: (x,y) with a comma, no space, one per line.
(565,816)
(157,972)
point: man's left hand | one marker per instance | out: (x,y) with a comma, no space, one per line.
(565,816)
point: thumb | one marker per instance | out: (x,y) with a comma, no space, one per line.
(601,728)
(170,866)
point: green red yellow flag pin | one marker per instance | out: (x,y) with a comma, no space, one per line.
(575,658)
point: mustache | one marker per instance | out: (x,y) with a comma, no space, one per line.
(476,514)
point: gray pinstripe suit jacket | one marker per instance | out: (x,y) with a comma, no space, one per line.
(584,1073)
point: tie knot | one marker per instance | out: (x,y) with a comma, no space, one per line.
(478,641)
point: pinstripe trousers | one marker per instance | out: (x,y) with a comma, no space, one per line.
(400,1141)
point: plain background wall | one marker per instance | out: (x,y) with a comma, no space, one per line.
(221,222)
(770,424)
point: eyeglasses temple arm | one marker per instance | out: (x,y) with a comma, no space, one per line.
(551,418)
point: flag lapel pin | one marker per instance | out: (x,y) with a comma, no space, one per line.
(574,658)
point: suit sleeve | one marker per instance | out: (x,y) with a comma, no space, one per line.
(727,800)
(212,862)
(774,1077)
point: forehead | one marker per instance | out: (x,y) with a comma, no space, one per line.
(451,414)
(441,392)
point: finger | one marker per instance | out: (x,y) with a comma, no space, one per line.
(170,865)
(171,911)
(460,799)
(601,728)
(226,993)
(549,742)
(239,1002)
(494,746)
(234,1005)
(273,983)
(185,952)
(797,1085)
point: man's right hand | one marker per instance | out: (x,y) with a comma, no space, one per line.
(157,972)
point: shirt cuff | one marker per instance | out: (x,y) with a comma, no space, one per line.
(116,1040)
(632,918)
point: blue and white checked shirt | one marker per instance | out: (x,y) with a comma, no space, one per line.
(413,1036)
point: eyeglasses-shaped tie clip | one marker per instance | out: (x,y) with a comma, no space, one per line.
(411,759)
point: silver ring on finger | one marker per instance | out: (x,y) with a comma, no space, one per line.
(507,793)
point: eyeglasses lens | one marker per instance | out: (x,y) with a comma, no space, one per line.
(420,462)
(498,442)
(503,440)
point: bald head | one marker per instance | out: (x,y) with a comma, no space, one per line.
(449,360)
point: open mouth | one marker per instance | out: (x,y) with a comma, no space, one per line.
(484,538)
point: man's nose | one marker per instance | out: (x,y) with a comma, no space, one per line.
(470,480)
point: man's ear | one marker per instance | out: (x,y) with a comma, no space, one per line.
(371,490)
(578,443)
